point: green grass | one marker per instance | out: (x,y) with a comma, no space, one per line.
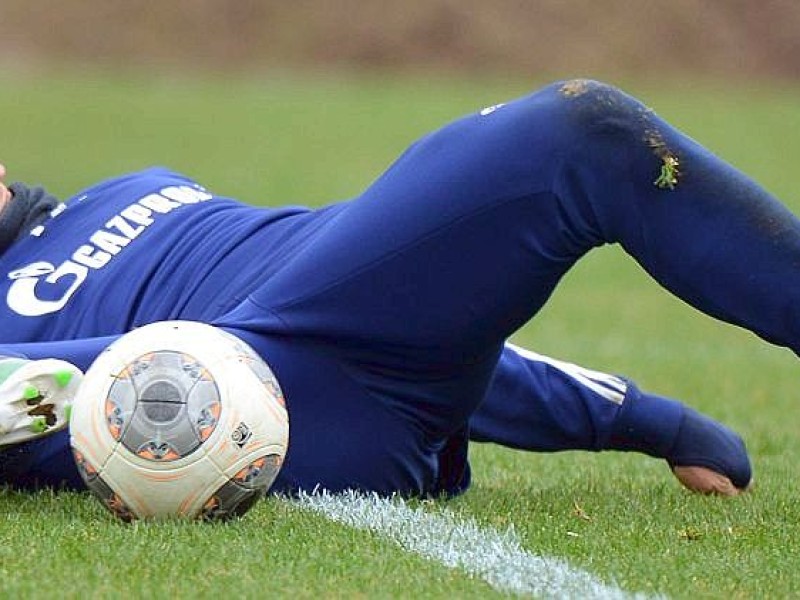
(282,139)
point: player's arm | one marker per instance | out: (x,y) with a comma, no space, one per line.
(80,352)
(540,404)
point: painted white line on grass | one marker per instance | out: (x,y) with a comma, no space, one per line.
(498,558)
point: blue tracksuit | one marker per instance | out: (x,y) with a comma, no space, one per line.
(385,317)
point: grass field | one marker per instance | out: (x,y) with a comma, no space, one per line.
(620,517)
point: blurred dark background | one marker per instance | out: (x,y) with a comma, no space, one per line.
(738,39)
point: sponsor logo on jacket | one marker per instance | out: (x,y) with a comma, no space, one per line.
(43,287)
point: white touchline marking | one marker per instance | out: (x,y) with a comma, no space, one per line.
(496,557)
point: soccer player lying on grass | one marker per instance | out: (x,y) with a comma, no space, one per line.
(385,317)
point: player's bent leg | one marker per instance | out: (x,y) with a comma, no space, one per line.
(483,217)
(35,397)
(700,227)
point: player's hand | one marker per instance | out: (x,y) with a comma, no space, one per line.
(5,193)
(708,457)
(706,481)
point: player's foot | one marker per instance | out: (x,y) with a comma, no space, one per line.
(35,397)
(709,458)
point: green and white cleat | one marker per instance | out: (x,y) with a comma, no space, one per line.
(35,397)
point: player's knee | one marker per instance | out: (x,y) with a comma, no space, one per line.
(589,107)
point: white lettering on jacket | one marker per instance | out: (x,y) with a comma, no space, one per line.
(25,295)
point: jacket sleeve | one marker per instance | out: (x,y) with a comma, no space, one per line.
(541,404)
(80,352)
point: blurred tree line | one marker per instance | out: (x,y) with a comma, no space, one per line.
(717,38)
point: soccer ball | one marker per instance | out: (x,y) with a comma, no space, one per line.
(179,419)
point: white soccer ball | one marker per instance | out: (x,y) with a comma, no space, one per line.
(179,419)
